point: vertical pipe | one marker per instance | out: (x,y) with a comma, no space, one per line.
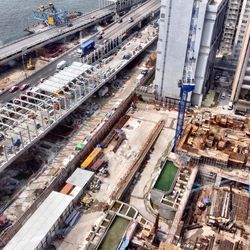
(28,129)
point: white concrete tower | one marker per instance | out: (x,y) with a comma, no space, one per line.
(187,25)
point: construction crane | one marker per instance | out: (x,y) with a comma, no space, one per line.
(187,84)
(185,89)
(50,15)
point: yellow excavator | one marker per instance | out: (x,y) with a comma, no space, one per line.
(152,60)
(30,66)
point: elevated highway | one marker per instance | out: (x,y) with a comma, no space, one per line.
(31,42)
(16,48)
(138,14)
(33,113)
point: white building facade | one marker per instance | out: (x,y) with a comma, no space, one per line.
(187,25)
(241,29)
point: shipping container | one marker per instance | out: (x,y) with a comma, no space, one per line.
(91,158)
(98,164)
(67,188)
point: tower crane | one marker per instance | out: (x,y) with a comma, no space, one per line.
(187,84)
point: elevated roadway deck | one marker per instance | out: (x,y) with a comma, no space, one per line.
(112,31)
(29,43)
(34,113)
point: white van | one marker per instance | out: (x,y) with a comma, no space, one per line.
(61,65)
(230,106)
(223,95)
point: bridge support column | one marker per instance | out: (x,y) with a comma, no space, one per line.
(217,181)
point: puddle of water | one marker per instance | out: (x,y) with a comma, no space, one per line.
(114,235)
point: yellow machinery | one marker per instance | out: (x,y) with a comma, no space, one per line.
(51,21)
(152,60)
(30,66)
(91,158)
(86,201)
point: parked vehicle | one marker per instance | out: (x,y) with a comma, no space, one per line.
(144,72)
(131,19)
(239,112)
(87,46)
(230,106)
(223,95)
(41,80)
(61,65)
(120,20)
(13,89)
(24,86)
(99,37)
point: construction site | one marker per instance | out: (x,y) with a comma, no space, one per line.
(217,140)
(108,133)
(93,158)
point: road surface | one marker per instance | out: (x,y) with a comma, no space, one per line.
(112,31)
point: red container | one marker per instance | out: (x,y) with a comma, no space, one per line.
(67,188)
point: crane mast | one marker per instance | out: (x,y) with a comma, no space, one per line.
(187,83)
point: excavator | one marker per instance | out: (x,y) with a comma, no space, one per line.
(30,66)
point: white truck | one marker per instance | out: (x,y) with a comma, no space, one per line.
(61,65)
(139,79)
(230,106)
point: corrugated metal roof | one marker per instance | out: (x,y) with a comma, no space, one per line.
(48,88)
(80,177)
(40,223)
(54,83)
(76,190)
(58,78)
(68,73)
(78,64)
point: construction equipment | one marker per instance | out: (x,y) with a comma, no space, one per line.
(87,201)
(151,61)
(187,83)
(30,66)
(50,15)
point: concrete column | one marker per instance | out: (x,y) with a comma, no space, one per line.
(217,181)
